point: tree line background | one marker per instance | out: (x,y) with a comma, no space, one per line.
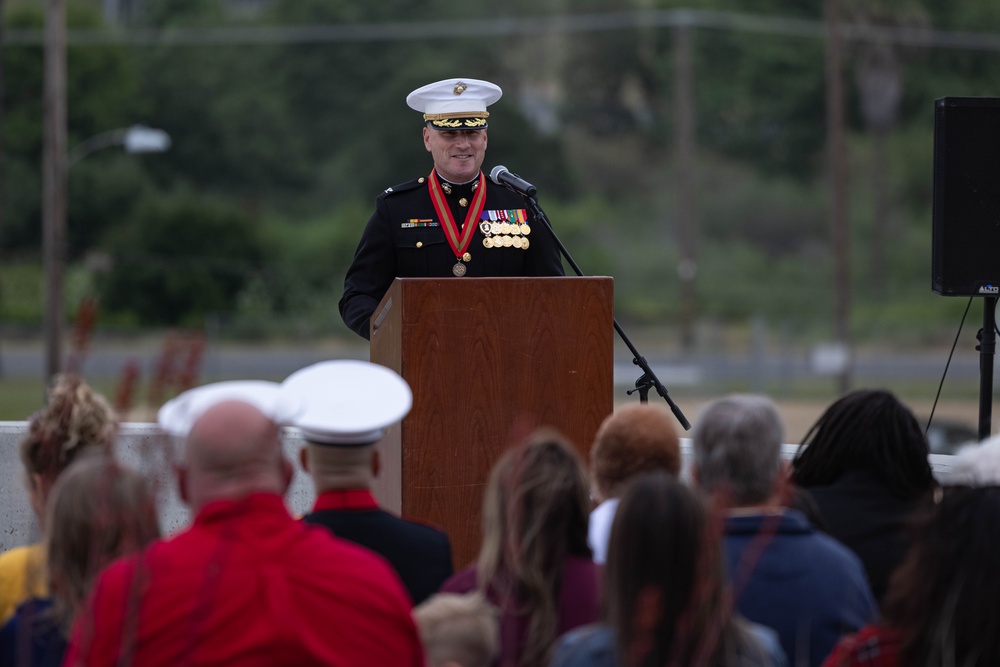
(283,134)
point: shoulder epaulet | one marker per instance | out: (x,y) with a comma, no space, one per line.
(403,187)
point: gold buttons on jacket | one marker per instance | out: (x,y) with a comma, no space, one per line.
(420,244)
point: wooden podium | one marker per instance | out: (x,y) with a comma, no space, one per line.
(488,360)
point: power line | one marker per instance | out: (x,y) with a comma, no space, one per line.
(506,27)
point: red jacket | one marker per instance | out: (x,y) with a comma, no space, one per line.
(248,585)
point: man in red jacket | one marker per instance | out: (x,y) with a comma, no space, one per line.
(246,584)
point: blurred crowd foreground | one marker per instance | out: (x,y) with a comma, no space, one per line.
(729,548)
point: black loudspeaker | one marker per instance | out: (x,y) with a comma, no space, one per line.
(965,255)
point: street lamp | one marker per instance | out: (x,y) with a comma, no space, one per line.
(134,139)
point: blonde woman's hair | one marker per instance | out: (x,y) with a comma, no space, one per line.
(98,510)
(535,513)
(76,418)
(461,628)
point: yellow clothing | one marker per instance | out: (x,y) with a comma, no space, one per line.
(21,577)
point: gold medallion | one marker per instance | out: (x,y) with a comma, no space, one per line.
(487,242)
(507,241)
(459,269)
(505,228)
(463,202)
(525,229)
(517,241)
(467,257)
(524,244)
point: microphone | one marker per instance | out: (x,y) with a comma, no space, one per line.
(502,176)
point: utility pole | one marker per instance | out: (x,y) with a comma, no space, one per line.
(3,156)
(54,183)
(837,154)
(686,181)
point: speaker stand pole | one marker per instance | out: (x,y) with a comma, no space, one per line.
(987,350)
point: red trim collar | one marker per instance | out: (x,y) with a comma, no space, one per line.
(346,499)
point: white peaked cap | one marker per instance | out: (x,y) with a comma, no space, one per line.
(179,414)
(454,98)
(347,402)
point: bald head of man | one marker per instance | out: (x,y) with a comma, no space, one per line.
(233,450)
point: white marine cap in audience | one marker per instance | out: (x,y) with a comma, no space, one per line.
(977,464)
(179,414)
(347,402)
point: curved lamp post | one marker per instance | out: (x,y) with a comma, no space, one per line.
(134,139)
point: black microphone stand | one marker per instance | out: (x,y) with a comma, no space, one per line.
(648,379)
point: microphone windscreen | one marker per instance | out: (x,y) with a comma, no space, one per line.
(495,173)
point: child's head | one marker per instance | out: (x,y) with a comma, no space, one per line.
(458,630)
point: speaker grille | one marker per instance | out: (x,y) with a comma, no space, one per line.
(965,252)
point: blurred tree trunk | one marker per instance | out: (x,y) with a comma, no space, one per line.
(3,171)
(685,182)
(879,78)
(837,155)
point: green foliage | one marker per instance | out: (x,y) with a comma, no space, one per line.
(304,135)
(181,259)
(103,94)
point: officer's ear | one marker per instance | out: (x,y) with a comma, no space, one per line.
(427,138)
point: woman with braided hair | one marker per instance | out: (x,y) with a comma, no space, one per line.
(864,463)
(75,420)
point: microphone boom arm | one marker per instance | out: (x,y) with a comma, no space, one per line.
(648,378)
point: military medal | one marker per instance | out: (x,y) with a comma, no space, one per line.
(459,240)
(487,242)
(525,229)
(524,244)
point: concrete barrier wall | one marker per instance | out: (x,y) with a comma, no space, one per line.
(147,449)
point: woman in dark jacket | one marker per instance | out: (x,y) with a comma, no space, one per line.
(864,463)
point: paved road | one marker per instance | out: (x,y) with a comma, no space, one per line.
(107,359)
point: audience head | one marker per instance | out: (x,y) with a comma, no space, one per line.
(942,599)
(232,450)
(76,419)
(737,449)
(99,510)
(535,512)
(634,439)
(871,431)
(458,630)
(665,594)
(348,405)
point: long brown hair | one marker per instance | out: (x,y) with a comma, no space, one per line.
(942,599)
(535,513)
(98,510)
(664,587)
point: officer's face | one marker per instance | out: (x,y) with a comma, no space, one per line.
(458,154)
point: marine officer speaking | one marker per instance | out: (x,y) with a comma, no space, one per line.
(450,222)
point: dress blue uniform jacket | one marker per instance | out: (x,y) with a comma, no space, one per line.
(420,554)
(404,238)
